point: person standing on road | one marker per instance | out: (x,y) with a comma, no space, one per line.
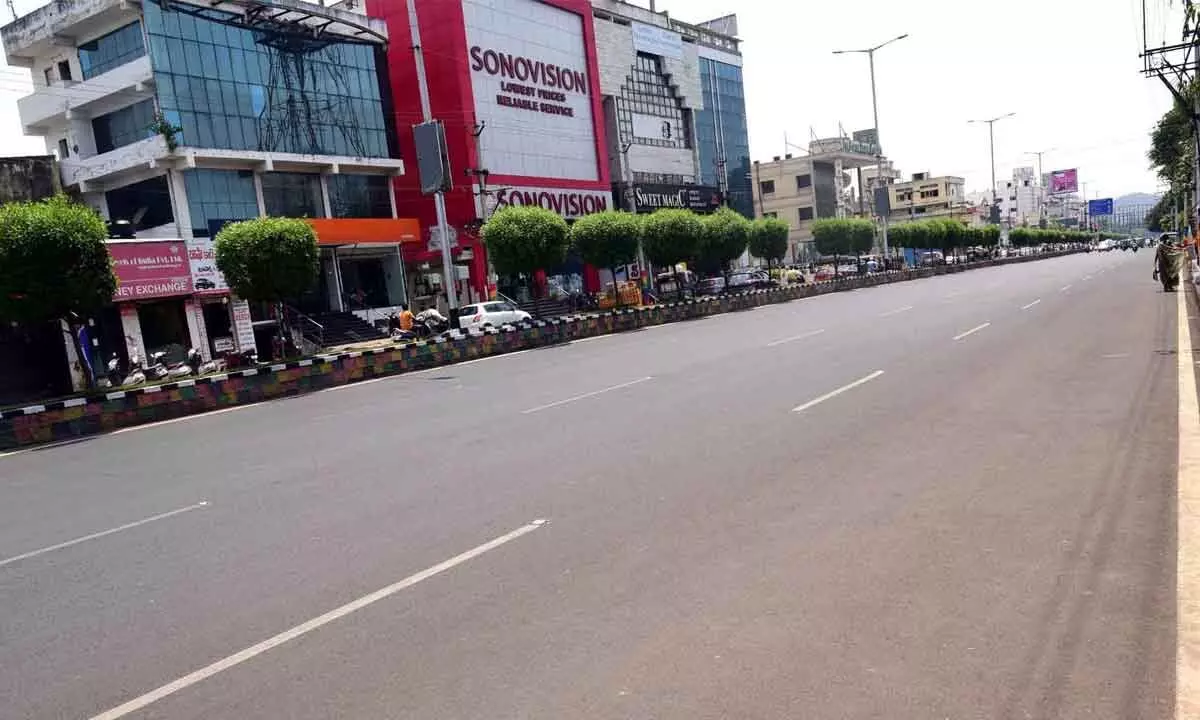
(1168,262)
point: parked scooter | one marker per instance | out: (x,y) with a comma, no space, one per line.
(157,369)
(112,374)
(136,375)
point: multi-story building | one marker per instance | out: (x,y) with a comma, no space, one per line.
(817,185)
(653,94)
(174,118)
(722,135)
(925,196)
(1021,198)
(516,86)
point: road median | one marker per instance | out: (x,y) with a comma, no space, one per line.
(85,415)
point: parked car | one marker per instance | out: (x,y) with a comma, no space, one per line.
(711,286)
(750,280)
(490,314)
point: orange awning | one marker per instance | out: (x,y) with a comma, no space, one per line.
(365,231)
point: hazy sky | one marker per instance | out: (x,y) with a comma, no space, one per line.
(1069,69)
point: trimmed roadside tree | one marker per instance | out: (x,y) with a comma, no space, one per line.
(522,239)
(843,236)
(769,239)
(726,235)
(671,236)
(608,239)
(54,264)
(268,259)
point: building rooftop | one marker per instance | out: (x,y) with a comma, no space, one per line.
(707,33)
(62,21)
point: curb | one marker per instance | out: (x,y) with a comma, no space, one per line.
(81,416)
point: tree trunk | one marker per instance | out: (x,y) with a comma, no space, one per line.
(616,289)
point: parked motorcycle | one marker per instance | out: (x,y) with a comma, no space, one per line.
(430,322)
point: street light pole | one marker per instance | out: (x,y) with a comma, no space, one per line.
(870,53)
(992,145)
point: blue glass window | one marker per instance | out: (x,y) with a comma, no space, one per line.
(241,89)
(721,135)
(360,196)
(112,50)
(295,195)
(124,126)
(219,195)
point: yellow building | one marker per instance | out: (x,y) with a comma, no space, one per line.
(924,197)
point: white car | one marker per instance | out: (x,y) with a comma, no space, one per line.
(490,314)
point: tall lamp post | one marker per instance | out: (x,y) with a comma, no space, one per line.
(992,144)
(870,53)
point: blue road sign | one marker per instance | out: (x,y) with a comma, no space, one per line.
(1103,206)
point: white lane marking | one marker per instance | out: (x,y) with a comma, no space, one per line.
(793,338)
(307,627)
(972,331)
(1087,277)
(1064,288)
(1187,568)
(839,391)
(1035,302)
(951,296)
(584,396)
(897,311)
(105,533)
(1114,356)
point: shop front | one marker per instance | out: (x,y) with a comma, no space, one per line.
(221,322)
(363,264)
(153,300)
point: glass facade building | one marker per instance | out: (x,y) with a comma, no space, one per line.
(124,126)
(722,138)
(112,50)
(219,195)
(231,87)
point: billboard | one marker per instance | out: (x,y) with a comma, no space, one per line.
(207,279)
(529,77)
(1063,181)
(1100,207)
(657,41)
(150,269)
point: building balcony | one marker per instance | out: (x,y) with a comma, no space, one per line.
(48,29)
(51,107)
(133,162)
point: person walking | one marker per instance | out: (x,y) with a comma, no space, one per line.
(1168,262)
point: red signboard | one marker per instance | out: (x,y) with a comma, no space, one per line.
(150,269)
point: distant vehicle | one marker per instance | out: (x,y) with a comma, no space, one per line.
(711,286)
(205,284)
(750,280)
(490,314)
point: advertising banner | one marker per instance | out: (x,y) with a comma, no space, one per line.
(566,202)
(657,41)
(243,325)
(532,89)
(646,198)
(150,269)
(206,278)
(1064,181)
(1103,206)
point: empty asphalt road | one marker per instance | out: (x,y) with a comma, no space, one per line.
(951,498)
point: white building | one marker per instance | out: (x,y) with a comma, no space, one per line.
(176,118)
(651,87)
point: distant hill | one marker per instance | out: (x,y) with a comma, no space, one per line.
(1135,199)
